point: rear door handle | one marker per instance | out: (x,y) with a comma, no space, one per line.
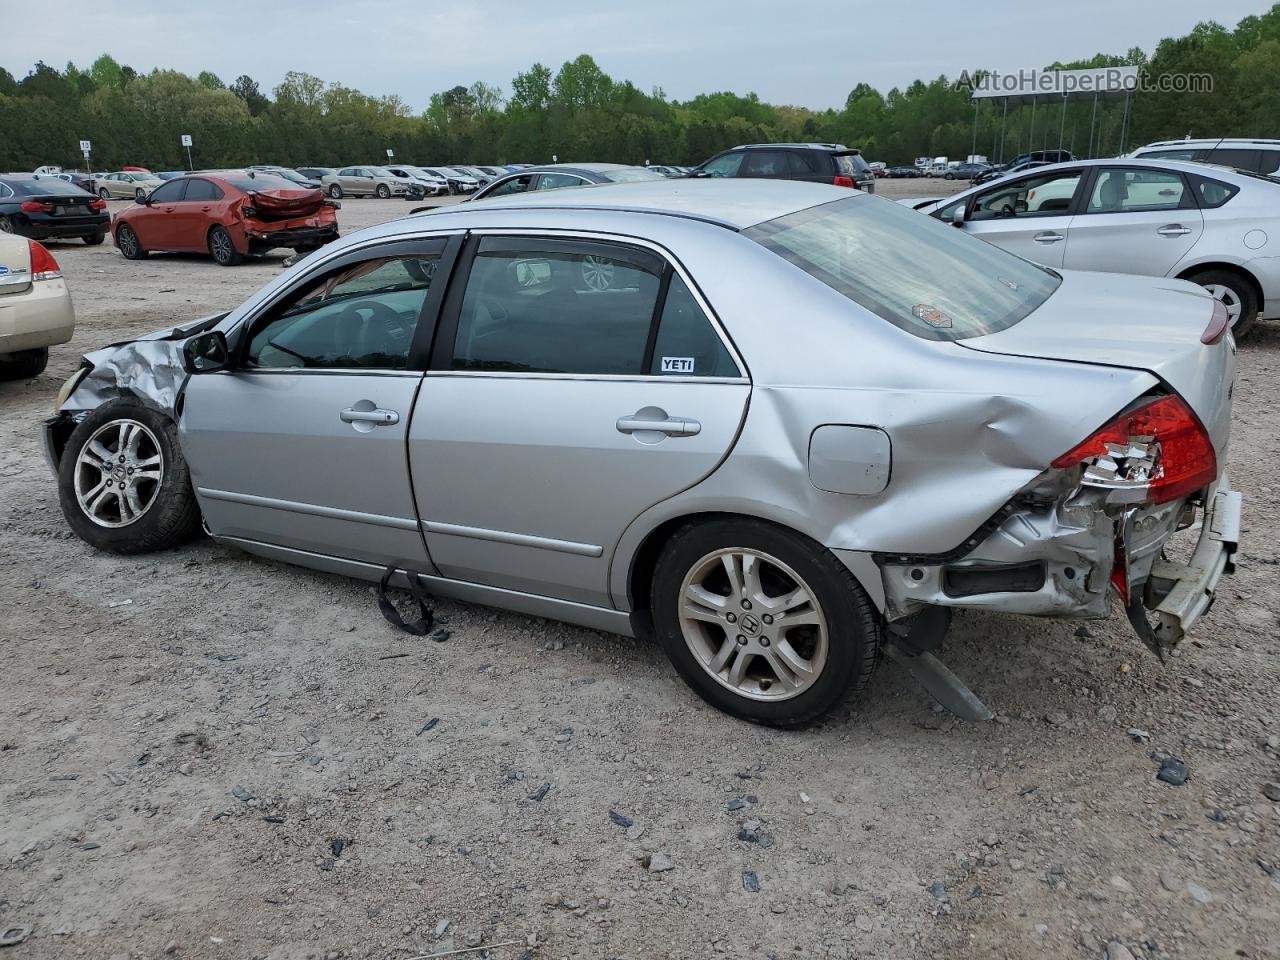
(1173,230)
(377,416)
(671,426)
(1048,237)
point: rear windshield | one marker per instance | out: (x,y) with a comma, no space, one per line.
(632,174)
(920,274)
(44,187)
(850,164)
(259,181)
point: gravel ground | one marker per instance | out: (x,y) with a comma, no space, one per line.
(208,755)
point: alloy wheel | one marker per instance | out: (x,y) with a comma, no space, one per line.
(127,241)
(597,273)
(118,473)
(753,624)
(6,225)
(1230,299)
(221,247)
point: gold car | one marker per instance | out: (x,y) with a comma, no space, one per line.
(35,307)
(127,185)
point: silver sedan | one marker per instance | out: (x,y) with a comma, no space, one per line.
(781,427)
(1216,227)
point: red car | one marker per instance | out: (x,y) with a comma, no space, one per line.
(230,215)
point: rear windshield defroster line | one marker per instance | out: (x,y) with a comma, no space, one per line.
(926,277)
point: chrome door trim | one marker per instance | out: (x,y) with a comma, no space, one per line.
(552,233)
(310,509)
(634,377)
(321,372)
(516,539)
(566,611)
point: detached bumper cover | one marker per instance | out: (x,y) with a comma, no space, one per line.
(1188,589)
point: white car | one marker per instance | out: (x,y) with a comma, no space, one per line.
(1216,227)
(35,307)
(127,185)
(432,185)
(1256,156)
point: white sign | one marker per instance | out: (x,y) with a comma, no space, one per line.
(85,146)
(677,364)
(390,153)
(186,139)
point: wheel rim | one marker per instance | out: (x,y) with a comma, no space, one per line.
(383,192)
(753,624)
(5,225)
(118,473)
(139,194)
(128,242)
(220,242)
(1229,299)
(104,194)
(597,273)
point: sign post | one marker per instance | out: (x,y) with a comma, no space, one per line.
(85,147)
(391,154)
(186,142)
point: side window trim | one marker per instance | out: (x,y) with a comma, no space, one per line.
(447,244)
(446,327)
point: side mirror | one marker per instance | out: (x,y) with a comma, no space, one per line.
(206,353)
(145,199)
(958,215)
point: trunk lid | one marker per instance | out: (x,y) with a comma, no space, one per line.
(286,204)
(15,265)
(1139,323)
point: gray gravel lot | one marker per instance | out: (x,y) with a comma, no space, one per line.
(208,755)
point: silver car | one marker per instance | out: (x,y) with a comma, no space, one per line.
(1159,218)
(364,182)
(782,426)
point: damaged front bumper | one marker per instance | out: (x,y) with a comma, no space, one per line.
(1063,551)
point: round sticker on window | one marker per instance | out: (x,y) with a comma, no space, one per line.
(931,315)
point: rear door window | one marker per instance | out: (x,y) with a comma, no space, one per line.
(1238,158)
(554,181)
(802,163)
(1117,190)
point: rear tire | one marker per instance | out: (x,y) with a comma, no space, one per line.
(223,249)
(166,510)
(1237,295)
(23,365)
(835,637)
(94,239)
(128,244)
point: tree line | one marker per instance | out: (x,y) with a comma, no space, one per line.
(579,112)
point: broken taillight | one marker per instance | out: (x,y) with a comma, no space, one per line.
(1159,447)
(1218,324)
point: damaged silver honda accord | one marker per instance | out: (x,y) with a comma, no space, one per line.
(781,428)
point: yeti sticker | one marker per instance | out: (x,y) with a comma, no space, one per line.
(677,364)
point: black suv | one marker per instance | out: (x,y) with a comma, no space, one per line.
(813,162)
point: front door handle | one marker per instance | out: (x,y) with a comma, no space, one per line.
(652,423)
(1048,237)
(374,415)
(1173,230)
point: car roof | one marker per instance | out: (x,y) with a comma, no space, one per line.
(797,146)
(1213,142)
(733,202)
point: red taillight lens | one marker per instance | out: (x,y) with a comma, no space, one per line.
(43,266)
(843,182)
(1160,441)
(1218,324)
(98,205)
(36,206)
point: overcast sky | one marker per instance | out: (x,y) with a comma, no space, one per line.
(800,52)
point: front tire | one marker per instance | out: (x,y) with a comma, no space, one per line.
(24,364)
(335,192)
(123,482)
(139,194)
(223,249)
(1236,294)
(104,193)
(6,225)
(763,623)
(383,191)
(128,244)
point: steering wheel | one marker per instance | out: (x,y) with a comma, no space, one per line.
(383,331)
(1006,210)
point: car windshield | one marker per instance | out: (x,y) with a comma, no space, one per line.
(924,276)
(289,175)
(632,174)
(43,186)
